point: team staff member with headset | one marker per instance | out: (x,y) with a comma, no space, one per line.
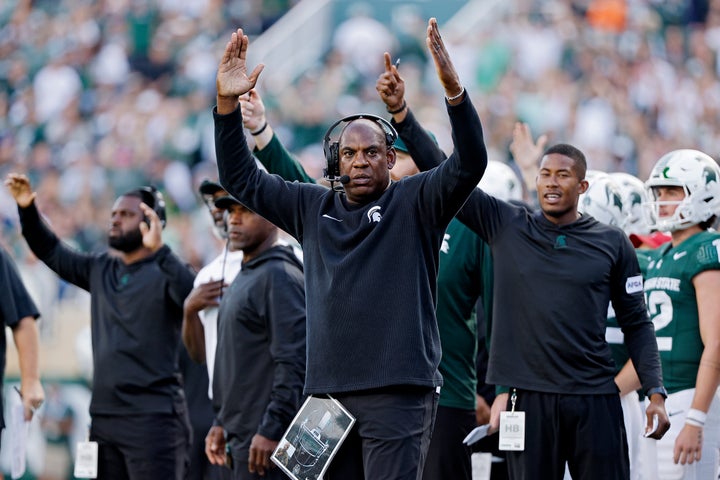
(137,288)
(459,284)
(371,256)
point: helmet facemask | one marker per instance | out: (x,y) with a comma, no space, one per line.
(698,176)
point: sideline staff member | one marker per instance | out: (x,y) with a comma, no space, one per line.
(555,273)
(137,289)
(369,253)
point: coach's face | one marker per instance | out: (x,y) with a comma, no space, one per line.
(124,233)
(559,187)
(366,159)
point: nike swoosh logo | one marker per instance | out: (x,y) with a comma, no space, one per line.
(679,255)
(672,414)
(331,218)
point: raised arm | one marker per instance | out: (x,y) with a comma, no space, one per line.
(232,79)
(458,176)
(424,151)
(71,265)
(268,148)
(268,195)
(449,79)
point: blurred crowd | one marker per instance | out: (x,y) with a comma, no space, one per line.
(97,97)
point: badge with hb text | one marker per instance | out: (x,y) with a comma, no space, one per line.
(512,431)
(512,428)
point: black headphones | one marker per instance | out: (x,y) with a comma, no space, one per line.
(331,149)
(152,197)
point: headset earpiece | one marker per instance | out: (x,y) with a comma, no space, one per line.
(155,200)
(332,159)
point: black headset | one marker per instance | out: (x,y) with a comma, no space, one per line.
(331,149)
(154,199)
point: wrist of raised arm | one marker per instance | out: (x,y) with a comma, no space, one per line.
(455,96)
(397,108)
(226,105)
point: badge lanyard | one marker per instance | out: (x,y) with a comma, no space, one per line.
(512,427)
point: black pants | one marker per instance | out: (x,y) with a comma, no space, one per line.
(587,431)
(448,457)
(390,437)
(142,447)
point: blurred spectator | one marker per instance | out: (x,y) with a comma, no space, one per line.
(57,423)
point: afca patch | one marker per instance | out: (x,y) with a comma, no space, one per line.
(634,284)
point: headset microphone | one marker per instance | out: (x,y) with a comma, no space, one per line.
(344,179)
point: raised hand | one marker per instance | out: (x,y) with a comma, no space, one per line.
(232,79)
(253,110)
(391,87)
(20,189)
(152,235)
(449,78)
(526,152)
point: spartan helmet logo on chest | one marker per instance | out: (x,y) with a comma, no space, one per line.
(374,215)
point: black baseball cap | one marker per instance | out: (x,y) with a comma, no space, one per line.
(226,202)
(208,187)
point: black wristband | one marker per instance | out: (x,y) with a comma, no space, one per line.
(262,129)
(402,107)
(654,390)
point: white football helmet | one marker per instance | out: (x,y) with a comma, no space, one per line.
(501,182)
(698,174)
(602,200)
(633,197)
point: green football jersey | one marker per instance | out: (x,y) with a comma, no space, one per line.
(460,283)
(672,305)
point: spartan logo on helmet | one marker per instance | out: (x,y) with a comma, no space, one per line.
(694,171)
(501,182)
(633,194)
(602,200)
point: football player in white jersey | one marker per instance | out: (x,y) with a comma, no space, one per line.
(682,282)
